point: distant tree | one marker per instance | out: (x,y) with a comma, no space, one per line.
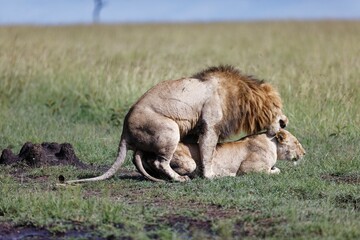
(99,4)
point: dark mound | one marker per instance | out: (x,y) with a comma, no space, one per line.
(48,154)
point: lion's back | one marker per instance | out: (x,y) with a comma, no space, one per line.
(180,100)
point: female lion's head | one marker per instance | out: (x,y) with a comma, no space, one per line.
(288,147)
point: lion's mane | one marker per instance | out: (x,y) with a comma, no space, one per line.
(249,104)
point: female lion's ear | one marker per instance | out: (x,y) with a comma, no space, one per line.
(280,136)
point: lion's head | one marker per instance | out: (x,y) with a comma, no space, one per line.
(250,105)
(288,147)
(270,112)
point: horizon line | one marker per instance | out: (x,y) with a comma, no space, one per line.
(170,22)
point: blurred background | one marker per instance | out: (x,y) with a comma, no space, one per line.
(55,12)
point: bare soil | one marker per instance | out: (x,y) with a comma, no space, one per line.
(11,231)
(338,178)
(348,201)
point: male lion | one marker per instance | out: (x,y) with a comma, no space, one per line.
(254,153)
(210,105)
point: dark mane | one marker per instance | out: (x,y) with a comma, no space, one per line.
(248,104)
(228,70)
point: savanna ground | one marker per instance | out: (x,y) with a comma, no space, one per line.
(75,84)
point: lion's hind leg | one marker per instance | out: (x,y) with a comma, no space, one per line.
(254,164)
(167,138)
(257,166)
(160,137)
(140,161)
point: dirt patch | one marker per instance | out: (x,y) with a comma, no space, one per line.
(44,154)
(207,211)
(10,231)
(203,221)
(350,179)
(187,226)
(259,228)
(24,178)
(348,201)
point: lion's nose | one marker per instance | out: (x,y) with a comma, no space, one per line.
(300,155)
(282,123)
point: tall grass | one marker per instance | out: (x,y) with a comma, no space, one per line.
(75,84)
(90,70)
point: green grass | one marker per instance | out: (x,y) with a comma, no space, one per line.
(75,84)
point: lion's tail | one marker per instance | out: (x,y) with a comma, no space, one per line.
(109,173)
(140,167)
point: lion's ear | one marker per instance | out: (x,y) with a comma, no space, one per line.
(280,136)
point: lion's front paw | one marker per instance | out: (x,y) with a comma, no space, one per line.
(209,175)
(274,170)
(186,178)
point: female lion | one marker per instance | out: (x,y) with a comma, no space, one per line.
(254,153)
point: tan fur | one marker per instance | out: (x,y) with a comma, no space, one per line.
(256,153)
(209,106)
